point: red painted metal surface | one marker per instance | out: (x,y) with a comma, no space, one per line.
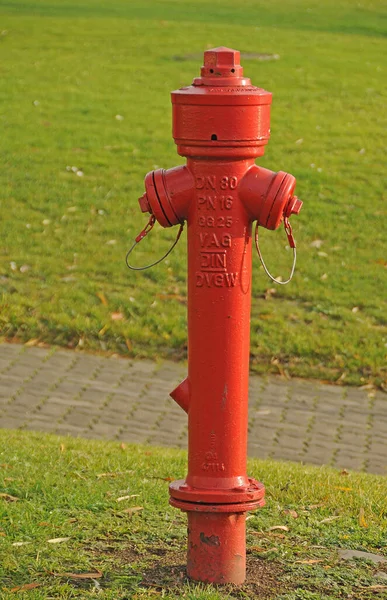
(221,123)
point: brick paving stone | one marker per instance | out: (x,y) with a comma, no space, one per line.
(11,350)
(77,419)
(105,430)
(59,363)
(345,461)
(145,367)
(297,417)
(290,442)
(290,454)
(22,372)
(113,418)
(376,465)
(25,398)
(378,437)
(146,416)
(109,379)
(314,446)
(317,458)
(8,422)
(356,400)
(147,405)
(294,430)
(378,449)
(95,397)
(64,429)
(171,373)
(134,437)
(353,437)
(8,388)
(40,425)
(114,398)
(261,439)
(20,412)
(131,426)
(257,451)
(4,363)
(54,407)
(357,418)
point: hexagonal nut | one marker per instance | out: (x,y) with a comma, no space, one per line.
(222,57)
(294,206)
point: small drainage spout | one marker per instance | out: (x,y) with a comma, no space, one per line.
(181,394)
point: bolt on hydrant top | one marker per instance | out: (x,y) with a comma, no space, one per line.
(221,113)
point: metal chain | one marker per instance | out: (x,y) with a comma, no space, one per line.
(292,244)
(148,227)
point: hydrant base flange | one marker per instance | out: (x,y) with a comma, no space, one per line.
(216,550)
(181,492)
(217,508)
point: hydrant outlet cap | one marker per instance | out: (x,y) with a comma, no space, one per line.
(144,203)
(293,207)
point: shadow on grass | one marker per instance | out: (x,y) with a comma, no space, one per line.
(163,570)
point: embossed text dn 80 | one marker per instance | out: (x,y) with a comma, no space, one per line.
(221,124)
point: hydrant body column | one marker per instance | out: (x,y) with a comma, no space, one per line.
(219,292)
(217,492)
(221,124)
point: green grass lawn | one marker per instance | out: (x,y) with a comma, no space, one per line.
(71,507)
(67,69)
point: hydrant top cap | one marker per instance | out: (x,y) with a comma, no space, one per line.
(221,67)
(222,61)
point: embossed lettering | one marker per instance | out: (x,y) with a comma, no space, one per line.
(228,182)
(231,279)
(213,261)
(216,279)
(214,467)
(211,240)
(226,240)
(207,202)
(213,202)
(226,202)
(206,183)
(211,455)
(215,222)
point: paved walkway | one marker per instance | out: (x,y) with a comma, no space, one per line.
(66,392)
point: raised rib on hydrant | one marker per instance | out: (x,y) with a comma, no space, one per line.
(221,123)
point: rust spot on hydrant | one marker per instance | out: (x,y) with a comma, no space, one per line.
(224,396)
(211,540)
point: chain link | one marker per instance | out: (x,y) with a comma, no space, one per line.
(292,244)
(148,227)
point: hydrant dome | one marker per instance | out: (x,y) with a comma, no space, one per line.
(221,111)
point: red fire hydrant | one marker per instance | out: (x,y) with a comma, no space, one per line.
(221,124)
